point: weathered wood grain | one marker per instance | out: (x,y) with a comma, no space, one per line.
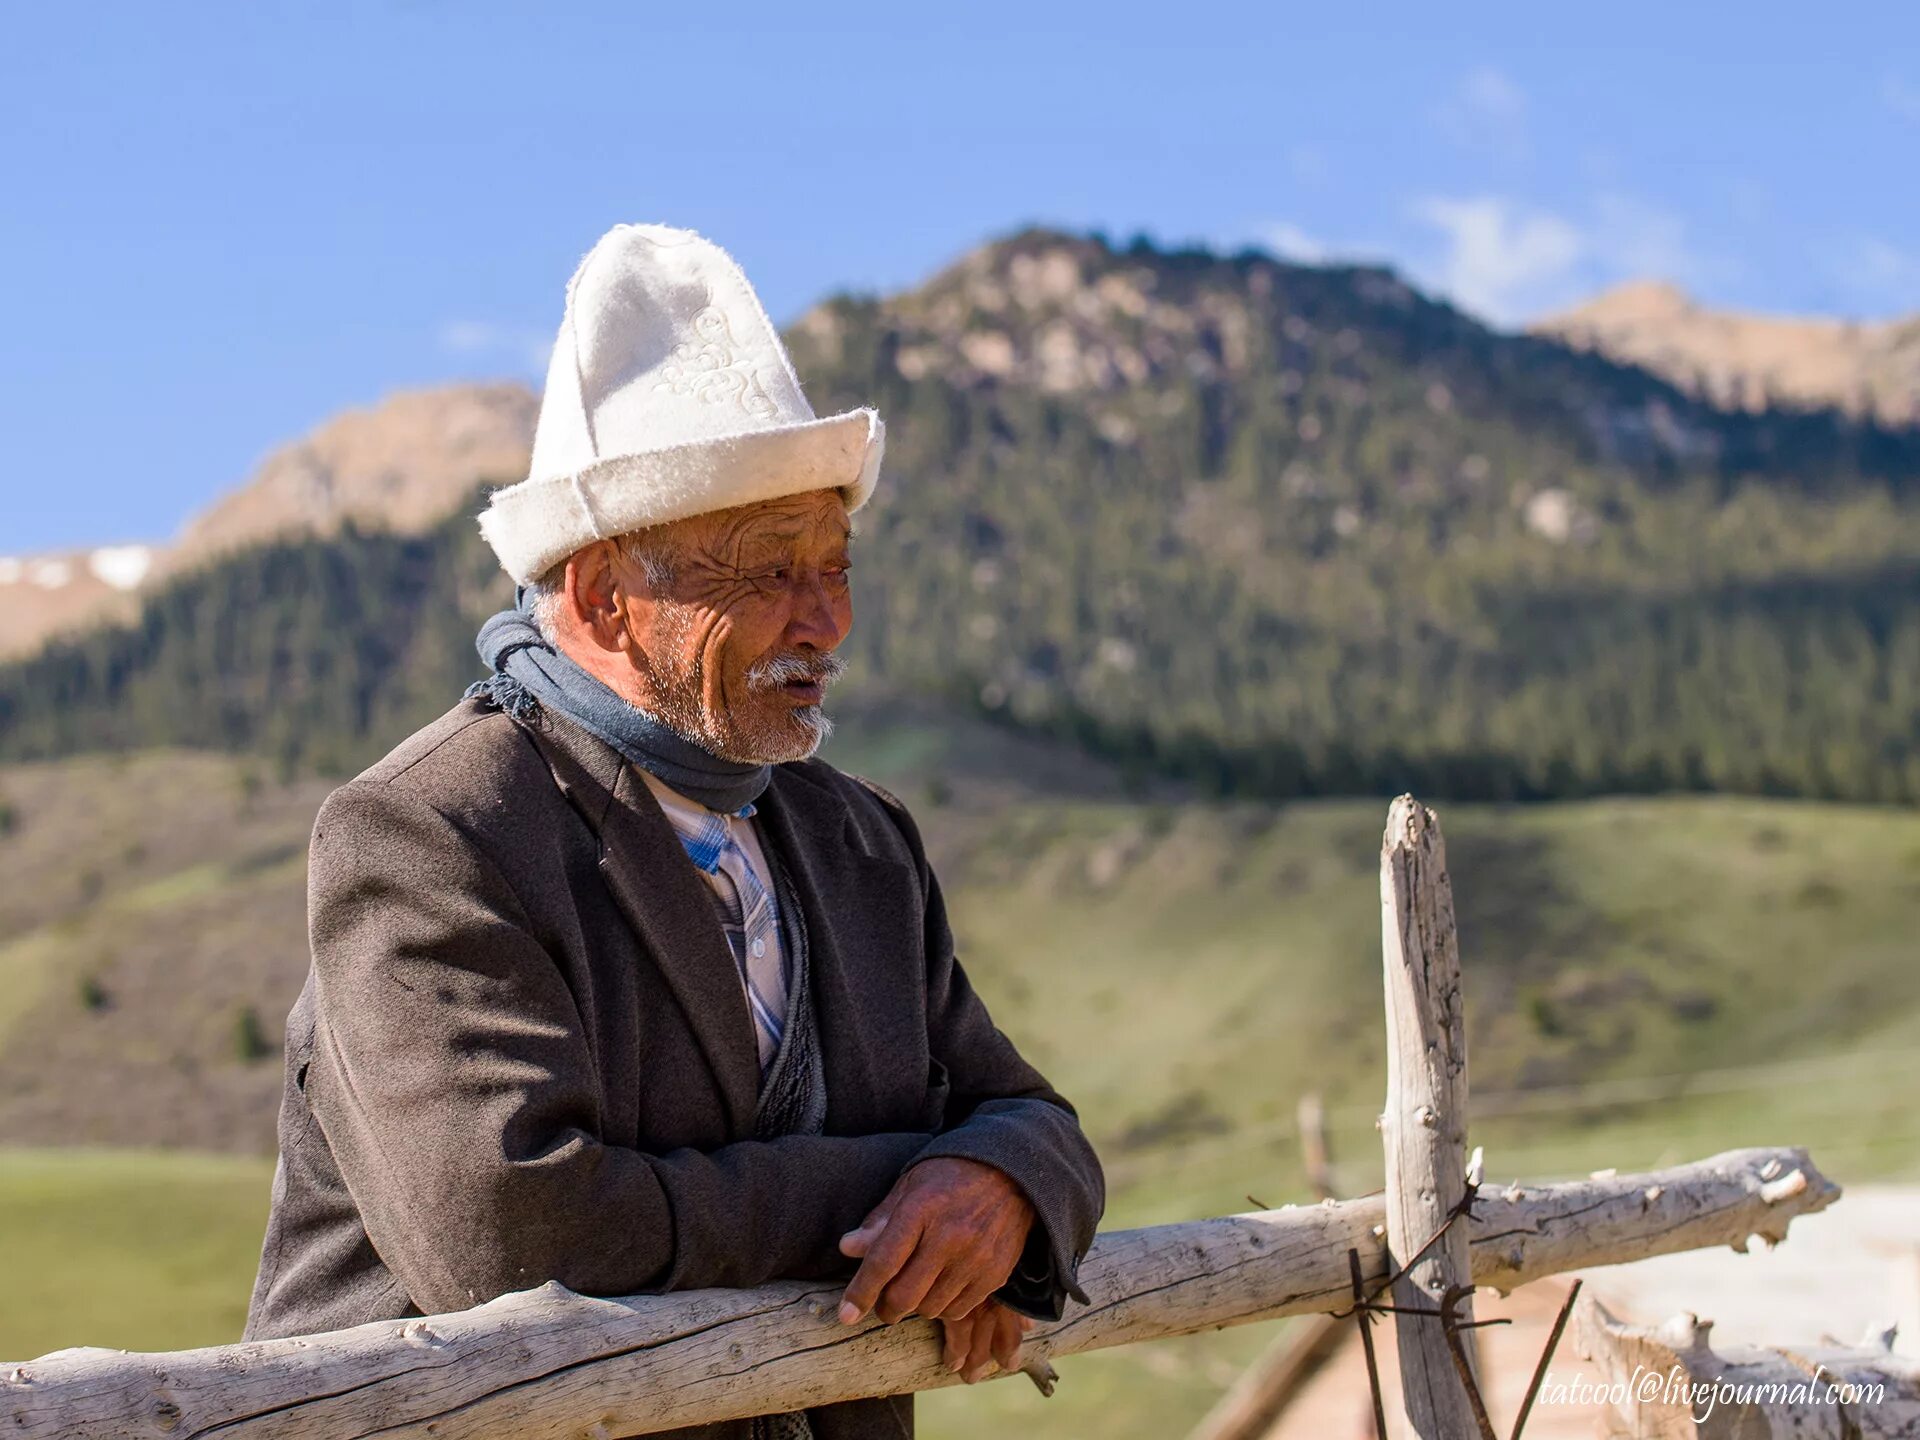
(1424,1125)
(549,1363)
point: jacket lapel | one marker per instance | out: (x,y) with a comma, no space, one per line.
(668,905)
(864,933)
(863,947)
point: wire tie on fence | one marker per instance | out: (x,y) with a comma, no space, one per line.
(1546,1356)
(1360,1311)
(1450,1327)
(1464,1206)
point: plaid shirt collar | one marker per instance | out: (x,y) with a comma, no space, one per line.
(703,833)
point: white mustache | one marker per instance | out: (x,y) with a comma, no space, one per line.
(822,670)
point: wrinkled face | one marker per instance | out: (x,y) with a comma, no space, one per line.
(735,652)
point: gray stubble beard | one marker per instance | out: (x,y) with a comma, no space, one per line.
(682,711)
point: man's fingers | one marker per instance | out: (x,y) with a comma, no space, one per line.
(884,1258)
(973,1297)
(937,1303)
(905,1291)
(955,1338)
(979,1348)
(1007,1334)
(858,1240)
(856,1243)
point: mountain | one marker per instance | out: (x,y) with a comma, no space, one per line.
(401,465)
(1269,528)
(1750,362)
(51,594)
(1302,529)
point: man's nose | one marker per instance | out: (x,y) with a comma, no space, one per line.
(816,619)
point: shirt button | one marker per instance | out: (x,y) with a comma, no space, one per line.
(759,948)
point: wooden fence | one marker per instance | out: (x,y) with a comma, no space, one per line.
(548,1362)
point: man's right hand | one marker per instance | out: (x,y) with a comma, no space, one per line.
(986,1336)
(945,1238)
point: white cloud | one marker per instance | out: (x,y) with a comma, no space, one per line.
(1289,241)
(1307,164)
(481,339)
(1749,202)
(1486,111)
(1882,276)
(1292,241)
(469,337)
(1631,239)
(1490,93)
(1902,99)
(1884,263)
(1509,260)
(1501,259)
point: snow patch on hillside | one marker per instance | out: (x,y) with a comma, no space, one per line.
(121,566)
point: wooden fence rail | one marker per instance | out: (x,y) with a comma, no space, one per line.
(550,1363)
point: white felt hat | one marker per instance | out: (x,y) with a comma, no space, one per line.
(669,395)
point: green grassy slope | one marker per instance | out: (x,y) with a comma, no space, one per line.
(149,904)
(132,1249)
(1187,974)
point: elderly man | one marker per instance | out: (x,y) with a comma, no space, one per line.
(613,982)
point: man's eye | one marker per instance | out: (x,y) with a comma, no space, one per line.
(779,575)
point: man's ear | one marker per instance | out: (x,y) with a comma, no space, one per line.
(595,598)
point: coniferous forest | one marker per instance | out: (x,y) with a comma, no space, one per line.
(1279,530)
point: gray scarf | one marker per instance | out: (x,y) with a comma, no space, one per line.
(529,673)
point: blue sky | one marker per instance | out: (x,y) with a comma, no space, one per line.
(223,222)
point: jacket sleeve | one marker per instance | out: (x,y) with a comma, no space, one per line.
(451,1078)
(1002,1112)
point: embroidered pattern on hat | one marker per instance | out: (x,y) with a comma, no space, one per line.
(709,368)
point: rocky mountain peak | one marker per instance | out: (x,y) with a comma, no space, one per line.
(1741,361)
(401,464)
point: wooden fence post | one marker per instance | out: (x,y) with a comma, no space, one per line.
(1424,1126)
(1316,1154)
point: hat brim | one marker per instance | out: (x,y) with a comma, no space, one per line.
(539,522)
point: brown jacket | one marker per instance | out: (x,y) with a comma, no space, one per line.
(522,1053)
